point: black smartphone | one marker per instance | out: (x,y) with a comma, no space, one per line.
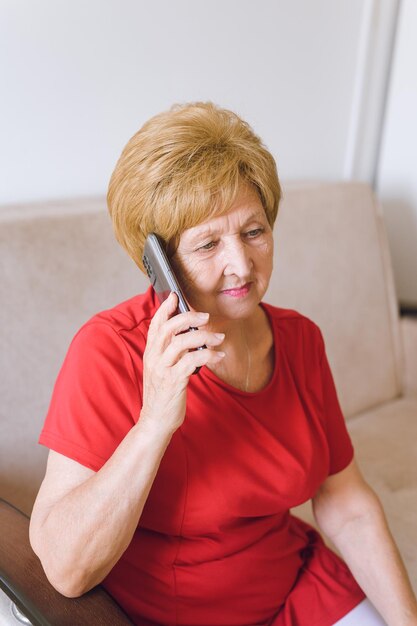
(162,276)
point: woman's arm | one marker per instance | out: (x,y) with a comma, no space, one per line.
(83,521)
(349,512)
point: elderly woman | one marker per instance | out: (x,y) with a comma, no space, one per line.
(172,489)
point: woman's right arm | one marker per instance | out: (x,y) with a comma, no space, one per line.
(83,521)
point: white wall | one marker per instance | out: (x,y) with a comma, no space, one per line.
(397,172)
(79,78)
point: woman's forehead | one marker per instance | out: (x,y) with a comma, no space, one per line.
(246,208)
(236,217)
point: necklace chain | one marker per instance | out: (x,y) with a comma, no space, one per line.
(248,365)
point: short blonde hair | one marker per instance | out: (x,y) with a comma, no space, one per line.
(185,166)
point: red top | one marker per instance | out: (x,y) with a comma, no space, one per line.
(216,544)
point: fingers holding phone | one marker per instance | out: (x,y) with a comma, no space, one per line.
(169,334)
(170,358)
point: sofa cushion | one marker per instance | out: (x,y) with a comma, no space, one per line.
(385,449)
(385,441)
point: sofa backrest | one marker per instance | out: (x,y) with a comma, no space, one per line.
(60,264)
(333,265)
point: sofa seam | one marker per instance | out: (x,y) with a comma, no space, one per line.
(383,250)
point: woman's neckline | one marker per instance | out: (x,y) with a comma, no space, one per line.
(205,371)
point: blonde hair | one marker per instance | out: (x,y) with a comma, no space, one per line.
(185,166)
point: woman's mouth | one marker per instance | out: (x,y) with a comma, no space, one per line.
(238,292)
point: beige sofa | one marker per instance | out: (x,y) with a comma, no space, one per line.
(61,264)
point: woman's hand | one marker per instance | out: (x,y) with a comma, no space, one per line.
(168,363)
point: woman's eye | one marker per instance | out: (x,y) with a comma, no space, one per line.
(254,233)
(251,234)
(207,246)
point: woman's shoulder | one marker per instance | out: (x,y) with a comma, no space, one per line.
(124,323)
(290,316)
(128,315)
(292,325)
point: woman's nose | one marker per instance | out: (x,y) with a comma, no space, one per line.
(237,259)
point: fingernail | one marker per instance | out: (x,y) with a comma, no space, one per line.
(203,316)
(219,335)
(221,354)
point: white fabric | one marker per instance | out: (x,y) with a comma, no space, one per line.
(364,614)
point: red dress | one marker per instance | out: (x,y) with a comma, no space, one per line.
(216,544)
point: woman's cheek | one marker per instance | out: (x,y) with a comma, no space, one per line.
(266,250)
(267,244)
(192,275)
(182,267)
(202,277)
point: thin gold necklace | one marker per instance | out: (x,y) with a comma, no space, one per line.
(248,361)
(248,366)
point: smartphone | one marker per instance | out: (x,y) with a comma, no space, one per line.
(162,276)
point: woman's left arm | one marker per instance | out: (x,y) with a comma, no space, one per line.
(349,512)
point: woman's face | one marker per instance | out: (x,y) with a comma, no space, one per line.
(224,264)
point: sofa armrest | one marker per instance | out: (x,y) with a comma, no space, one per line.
(409,337)
(23,580)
